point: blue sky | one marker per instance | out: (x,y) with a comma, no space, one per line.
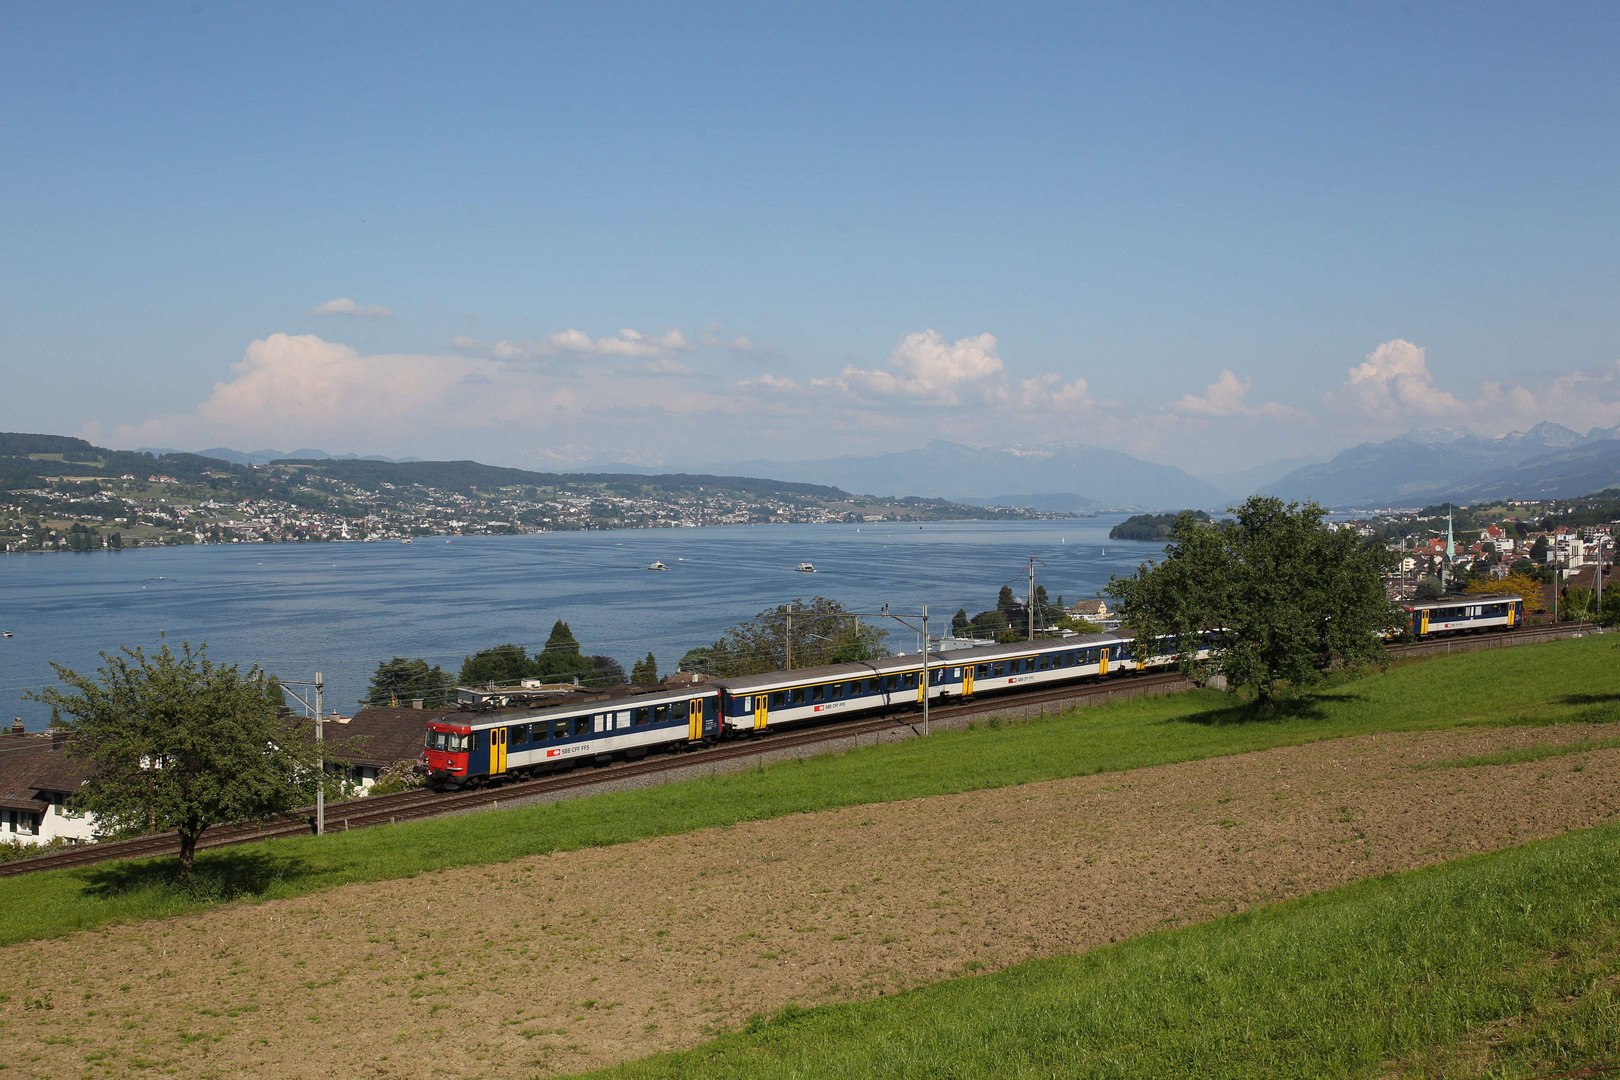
(1173,230)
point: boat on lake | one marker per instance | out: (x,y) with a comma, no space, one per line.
(805,568)
(658,566)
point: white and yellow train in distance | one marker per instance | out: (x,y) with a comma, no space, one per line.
(494,737)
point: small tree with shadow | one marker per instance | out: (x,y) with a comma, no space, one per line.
(179,742)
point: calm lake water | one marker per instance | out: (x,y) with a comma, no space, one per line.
(340,608)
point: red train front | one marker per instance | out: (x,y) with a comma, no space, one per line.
(449,747)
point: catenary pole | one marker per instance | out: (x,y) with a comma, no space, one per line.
(320,761)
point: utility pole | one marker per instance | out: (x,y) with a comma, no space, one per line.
(789,637)
(927,664)
(1031,566)
(320,741)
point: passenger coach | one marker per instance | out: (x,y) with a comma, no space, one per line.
(1480,611)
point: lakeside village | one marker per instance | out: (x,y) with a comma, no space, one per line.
(94,514)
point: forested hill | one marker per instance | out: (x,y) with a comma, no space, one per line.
(467,477)
(1149,526)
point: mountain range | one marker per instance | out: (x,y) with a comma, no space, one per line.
(1549,461)
(1060,475)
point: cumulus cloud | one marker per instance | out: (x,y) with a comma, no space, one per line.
(1049,391)
(344,306)
(926,369)
(1228,396)
(1394,384)
(627,343)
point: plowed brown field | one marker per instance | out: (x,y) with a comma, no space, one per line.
(563,962)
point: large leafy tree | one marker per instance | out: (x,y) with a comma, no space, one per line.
(821,632)
(502,664)
(402,680)
(1289,595)
(179,742)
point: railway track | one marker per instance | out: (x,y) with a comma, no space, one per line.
(414,805)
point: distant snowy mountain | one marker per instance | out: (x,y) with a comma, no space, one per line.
(1548,461)
(954,471)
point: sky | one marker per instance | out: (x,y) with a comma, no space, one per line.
(549,235)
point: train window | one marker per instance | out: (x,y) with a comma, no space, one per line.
(837,690)
(639,716)
(911,680)
(582,725)
(622,718)
(815,693)
(559,728)
(1045,662)
(435,740)
(778,699)
(520,734)
(984,671)
(660,714)
(796,696)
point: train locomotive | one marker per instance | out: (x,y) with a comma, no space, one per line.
(503,733)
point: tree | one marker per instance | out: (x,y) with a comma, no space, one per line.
(1514,584)
(697,660)
(605,671)
(503,664)
(178,742)
(822,632)
(1429,588)
(1538,550)
(960,623)
(1578,603)
(1006,601)
(1287,596)
(559,660)
(645,672)
(401,681)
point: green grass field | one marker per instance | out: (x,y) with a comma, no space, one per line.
(1503,965)
(1541,684)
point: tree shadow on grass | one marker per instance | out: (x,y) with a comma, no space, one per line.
(1589,699)
(216,876)
(1295,707)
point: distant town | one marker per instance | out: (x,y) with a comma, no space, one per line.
(77,497)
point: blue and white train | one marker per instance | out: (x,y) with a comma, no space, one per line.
(1464,614)
(497,734)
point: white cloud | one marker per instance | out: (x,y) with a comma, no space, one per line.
(929,371)
(1049,391)
(780,384)
(628,343)
(1228,396)
(1394,384)
(344,306)
(738,343)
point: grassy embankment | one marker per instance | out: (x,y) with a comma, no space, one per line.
(1530,685)
(1502,965)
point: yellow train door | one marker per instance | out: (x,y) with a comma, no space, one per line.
(1102,662)
(761,711)
(967,681)
(922,685)
(694,719)
(497,751)
(1423,627)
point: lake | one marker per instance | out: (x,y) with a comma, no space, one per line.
(340,608)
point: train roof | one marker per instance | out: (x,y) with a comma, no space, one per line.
(888,665)
(619,697)
(1462,600)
